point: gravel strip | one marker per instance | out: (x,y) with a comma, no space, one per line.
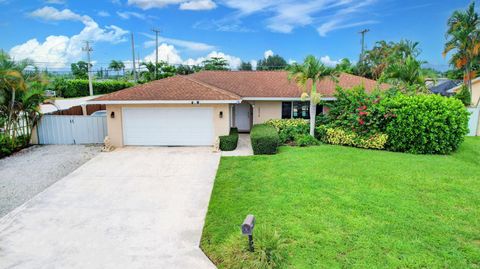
(30,171)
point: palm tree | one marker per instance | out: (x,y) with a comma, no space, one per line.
(463,36)
(116,66)
(408,76)
(310,73)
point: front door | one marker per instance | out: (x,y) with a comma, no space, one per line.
(243,117)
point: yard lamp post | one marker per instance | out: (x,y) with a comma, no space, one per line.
(247,229)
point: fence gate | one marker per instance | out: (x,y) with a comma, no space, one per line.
(58,129)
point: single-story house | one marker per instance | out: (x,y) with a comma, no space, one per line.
(194,110)
(443,86)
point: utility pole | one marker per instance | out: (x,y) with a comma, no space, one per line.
(133,58)
(363,32)
(156,51)
(88,49)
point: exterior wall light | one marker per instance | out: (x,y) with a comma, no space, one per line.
(112,115)
(220,114)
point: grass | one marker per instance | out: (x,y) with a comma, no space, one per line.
(354,208)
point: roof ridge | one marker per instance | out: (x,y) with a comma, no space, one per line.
(231,94)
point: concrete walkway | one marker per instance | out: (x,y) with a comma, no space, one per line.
(244,147)
(131,208)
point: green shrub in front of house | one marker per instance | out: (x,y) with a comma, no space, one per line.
(229,142)
(338,136)
(422,124)
(288,129)
(425,124)
(464,95)
(265,139)
(305,140)
(8,145)
(79,87)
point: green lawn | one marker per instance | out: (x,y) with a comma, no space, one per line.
(348,207)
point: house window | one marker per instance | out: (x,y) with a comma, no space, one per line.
(298,110)
(286,110)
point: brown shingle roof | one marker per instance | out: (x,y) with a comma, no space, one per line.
(172,88)
(231,85)
(275,83)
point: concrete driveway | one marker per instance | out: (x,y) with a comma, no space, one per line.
(131,208)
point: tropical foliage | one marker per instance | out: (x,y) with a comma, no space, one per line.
(307,75)
(215,63)
(151,71)
(246,66)
(272,62)
(463,40)
(79,70)
(20,97)
(117,66)
(288,129)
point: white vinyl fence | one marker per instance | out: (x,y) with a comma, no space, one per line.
(59,129)
(473,120)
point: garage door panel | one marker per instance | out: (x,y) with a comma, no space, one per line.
(168,126)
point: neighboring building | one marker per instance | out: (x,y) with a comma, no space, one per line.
(475,91)
(194,110)
(442,86)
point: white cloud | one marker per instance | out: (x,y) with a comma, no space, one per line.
(189,45)
(166,53)
(254,64)
(60,50)
(183,4)
(284,16)
(326,60)
(103,14)
(129,14)
(233,61)
(267,54)
(198,5)
(58,2)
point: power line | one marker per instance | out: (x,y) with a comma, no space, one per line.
(133,58)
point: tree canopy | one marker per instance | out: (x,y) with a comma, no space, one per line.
(273,62)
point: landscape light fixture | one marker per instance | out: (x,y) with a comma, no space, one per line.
(247,229)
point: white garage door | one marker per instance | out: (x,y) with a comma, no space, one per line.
(168,126)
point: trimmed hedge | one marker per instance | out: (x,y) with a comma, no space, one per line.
(79,87)
(265,139)
(425,124)
(229,142)
(288,129)
(338,136)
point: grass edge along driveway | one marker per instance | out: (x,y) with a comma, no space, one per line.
(349,207)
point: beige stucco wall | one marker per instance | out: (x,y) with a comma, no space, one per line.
(475,92)
(266,110)
(115,129)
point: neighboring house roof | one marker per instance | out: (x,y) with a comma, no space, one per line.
(442,86)
(178,88)
(453,90)
(232,85)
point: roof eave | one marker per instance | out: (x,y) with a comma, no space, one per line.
(157,102)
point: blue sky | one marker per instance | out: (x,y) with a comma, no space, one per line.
(52,32)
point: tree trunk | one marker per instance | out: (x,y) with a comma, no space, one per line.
(313,112)
(469,79)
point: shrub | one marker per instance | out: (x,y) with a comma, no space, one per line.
(356,110)
(264,139)
(229,142)
(79,87)
(337,136)
(464,95)
(9,146)
(305,140)
(289,128)
(427,124)
(270,251)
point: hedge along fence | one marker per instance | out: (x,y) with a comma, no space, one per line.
(229,142)
(79,87)
(425,124)
(265,139)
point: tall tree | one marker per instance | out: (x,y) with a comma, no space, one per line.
(345,66)
(463,37)
(407,76)
(80,70)
(117,66)
(215,63)
(163,70)
(246,66)
(307,74)
(273,62)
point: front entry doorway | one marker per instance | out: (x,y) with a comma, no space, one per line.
(243,117)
